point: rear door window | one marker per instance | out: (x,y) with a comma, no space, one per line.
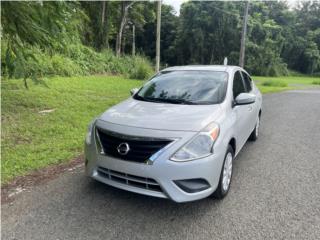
(238,86)
(247,81)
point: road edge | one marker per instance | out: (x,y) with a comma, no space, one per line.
(37,177)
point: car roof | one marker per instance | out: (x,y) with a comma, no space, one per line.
(222,68)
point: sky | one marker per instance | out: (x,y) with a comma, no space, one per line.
(175,3)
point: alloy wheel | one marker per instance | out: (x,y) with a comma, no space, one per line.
(227,172)
(257,127)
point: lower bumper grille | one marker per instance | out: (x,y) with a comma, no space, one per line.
(130,180)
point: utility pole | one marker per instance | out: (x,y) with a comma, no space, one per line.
(133,40)
(158,36)
(243,35)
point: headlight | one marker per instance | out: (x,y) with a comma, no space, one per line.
(200,146)
(89,132)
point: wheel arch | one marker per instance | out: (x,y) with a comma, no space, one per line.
(232,143)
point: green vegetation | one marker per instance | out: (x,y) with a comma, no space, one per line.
(35,46)
(81,38)
(278,38)
(290,80)
(80,60)
(277,84)
(272,89)
(32,140)
(274,83)
(316,82)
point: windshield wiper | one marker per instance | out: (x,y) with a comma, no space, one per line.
(176,101)
(138,97)
(165,100)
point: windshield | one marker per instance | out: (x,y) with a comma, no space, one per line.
(185,87)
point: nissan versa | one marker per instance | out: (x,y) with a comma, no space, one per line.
(177,136)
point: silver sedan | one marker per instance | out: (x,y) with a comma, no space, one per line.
(176,136)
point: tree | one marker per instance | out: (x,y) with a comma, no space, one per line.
(104,24)
(301,28)
(125,5)
(27,24)
(279,37)
(208,32)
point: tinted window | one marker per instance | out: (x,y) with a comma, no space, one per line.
(238,86)
(185,87)
(247,81)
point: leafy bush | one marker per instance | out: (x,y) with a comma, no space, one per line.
(262,61)
(274,83)
(74,59)
(316,82)
(294,73)
(93,62)
(141,69)
(64,66)
(90,61)
(317,74)
(277,69)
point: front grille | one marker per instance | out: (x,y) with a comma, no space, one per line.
(141,149)
(130,180)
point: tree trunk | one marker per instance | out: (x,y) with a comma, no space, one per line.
(106,25)
(211,58)
(101,40)
(25,82)
(124,13)
(123,44)
(133,40)
(104,31)
(103,13)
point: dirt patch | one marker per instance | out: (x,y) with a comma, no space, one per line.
(41,176)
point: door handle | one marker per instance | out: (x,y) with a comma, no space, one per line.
(249,108)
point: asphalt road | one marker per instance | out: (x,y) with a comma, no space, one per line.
(275,193)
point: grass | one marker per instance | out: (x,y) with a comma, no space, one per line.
(31,140)
(277,84)
(271,89)
(303,80)
(316,82)
(274,83)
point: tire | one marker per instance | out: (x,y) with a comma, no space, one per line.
(255,133)
(223,186)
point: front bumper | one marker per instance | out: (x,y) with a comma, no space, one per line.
(163,172)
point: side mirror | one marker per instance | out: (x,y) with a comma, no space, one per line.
(245,98)
(134,91)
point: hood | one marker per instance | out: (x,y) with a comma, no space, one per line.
(162,116)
